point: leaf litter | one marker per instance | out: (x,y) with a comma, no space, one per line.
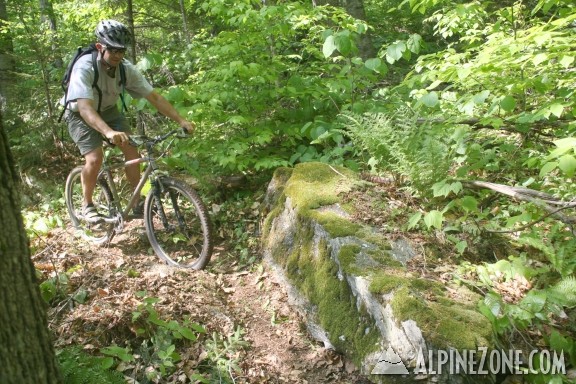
(104,288)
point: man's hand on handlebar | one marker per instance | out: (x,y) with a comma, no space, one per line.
(117,137)
(188,126)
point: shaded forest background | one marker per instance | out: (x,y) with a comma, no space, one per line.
(468,107)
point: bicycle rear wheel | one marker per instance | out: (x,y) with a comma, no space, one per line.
(96,233)
(178,225)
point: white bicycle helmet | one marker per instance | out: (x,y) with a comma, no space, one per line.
(113,34)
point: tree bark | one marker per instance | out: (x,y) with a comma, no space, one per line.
(26,350)
(7,64)
(354,8)
(184,22)
(47,16)
(130,18)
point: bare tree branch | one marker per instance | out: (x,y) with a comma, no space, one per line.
(540,199)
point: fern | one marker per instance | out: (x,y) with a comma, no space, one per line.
(80,368)
(417,153)
(564,292)
(558,247)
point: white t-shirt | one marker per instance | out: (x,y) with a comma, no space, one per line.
(82,76)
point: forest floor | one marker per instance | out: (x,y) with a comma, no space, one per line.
(251,333)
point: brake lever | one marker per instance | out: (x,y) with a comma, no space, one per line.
(182,132)
(136,141)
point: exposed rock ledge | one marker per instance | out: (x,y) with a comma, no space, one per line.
(351,285)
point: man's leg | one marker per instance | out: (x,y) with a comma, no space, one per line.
(118,122)
(132,171)
(90,173)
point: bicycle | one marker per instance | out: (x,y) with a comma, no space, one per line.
(176,220)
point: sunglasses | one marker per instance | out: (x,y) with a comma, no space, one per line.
(116,51)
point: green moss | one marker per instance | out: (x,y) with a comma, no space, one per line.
(384,283)
(367,234)
(383,257)
(313,185)
(351,331)
(444,326)
(279,179)
(281,175)
(335,225)
(347,257)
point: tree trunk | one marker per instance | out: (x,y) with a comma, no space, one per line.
(354,8)
(7,64)
(184,22)
(47,16)
(26,350)
(130,18)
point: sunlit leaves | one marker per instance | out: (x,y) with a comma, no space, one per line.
(523,73)
(413,220)
(414,43)
(539,58)
(395,51)
(562,157)
(469,203)
(444,188)
(329,46)
(508,103)
(430,99)
(567,164)
(375,64)
(434,219)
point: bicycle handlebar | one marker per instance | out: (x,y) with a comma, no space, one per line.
(138,141)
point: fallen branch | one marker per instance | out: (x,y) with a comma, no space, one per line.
(543,200)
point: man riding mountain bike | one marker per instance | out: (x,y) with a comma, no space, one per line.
(91,115)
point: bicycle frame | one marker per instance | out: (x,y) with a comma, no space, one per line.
(117,205)
(107,169)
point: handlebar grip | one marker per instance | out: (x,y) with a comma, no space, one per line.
(182,132)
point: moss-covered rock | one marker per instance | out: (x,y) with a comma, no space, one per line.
(356,295)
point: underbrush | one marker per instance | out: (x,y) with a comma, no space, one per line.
(526,278)
(143,341)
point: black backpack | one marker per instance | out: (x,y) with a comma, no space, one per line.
(90,50)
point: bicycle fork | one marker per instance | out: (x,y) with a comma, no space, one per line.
(158,188)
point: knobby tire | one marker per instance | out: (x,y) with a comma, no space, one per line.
(178,228)
(100,233)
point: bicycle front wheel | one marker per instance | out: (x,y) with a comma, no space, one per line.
(96,233)
(177,224)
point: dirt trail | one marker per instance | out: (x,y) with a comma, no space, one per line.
(222,298)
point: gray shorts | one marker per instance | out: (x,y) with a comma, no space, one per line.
(87,138)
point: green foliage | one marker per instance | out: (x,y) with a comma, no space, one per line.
(266,92)
(78,367)
(159,340)
(54,287)
(561,158)
(523,294)
(223,356)
(418,154)
(535,307)
(57,288)
(558,248)
(237,218)
(529,61)
(44,218)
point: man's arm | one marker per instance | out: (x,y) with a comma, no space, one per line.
(165,108)
(93,119)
